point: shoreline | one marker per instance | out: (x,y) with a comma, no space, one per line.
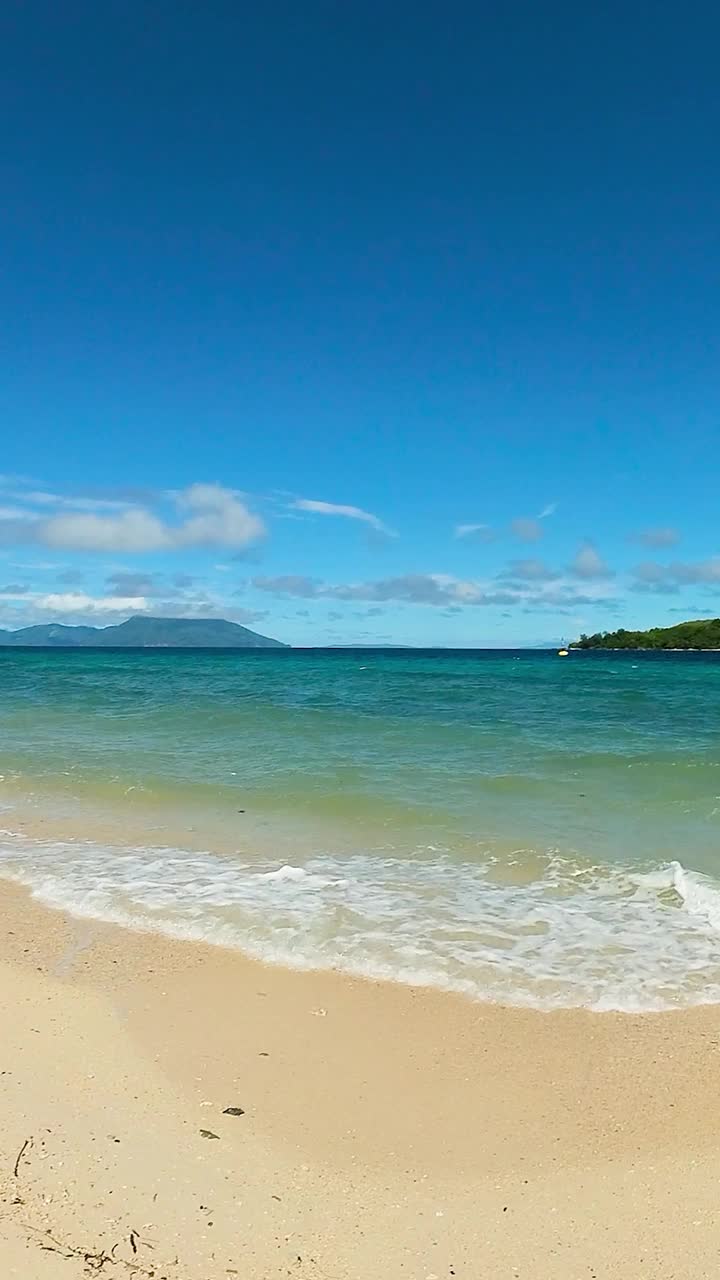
(262,857)
(384,1128)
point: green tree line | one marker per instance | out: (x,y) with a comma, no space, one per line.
(703,634)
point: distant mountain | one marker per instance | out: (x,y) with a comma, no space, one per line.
(143,633)
(703,634)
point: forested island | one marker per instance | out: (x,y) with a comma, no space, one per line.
(142,632)
(702,634)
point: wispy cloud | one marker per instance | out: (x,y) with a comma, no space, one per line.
(665,536)
(16,513)
(315,507)
(11,481)
(40,498)
(31,494)
(37,566)
(478,532)
(547,511)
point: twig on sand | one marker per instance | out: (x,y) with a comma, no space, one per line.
(96,1260)
(27,1143)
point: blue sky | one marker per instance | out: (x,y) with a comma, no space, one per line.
(368,322)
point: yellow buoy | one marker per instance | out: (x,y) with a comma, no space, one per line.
(562,653)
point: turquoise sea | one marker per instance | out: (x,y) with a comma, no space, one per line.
(513,825)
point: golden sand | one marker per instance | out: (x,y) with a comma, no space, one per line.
(385,1131)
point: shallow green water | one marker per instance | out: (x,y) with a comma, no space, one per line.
(504,823)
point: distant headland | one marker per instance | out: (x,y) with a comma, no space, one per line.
(142,633)
(702,634)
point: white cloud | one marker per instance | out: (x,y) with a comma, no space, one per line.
(340,509)
(529,571)
(589,564)
(662,537)
(481,532)
(130,531)
(434,589)
(214,517)
(290,584)
(412,588)
(689,573)
(78,602)
(701,571)
(650,572)
(125,585)
(125,592)
(548,510)
(222,520)
(526,530)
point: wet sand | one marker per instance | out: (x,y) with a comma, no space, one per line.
(385,1130)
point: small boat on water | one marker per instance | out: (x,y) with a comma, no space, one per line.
(563,650)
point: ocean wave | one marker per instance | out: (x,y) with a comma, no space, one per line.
(700,895)
(535,929)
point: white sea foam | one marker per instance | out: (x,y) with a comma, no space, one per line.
(284,873)
(536,930)
(700,896)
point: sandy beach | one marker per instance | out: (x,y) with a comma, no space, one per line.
(359,642)
(384,1130)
